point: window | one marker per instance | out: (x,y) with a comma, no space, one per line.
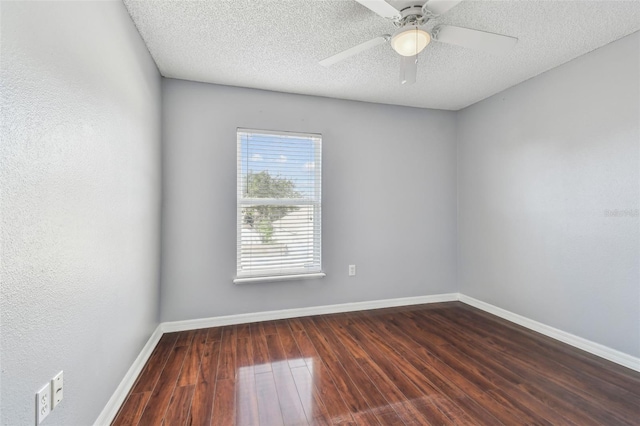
(279,205)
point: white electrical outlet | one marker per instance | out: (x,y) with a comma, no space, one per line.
(43,403)
(56,390)
(352,270)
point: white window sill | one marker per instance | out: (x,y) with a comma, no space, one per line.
(248,280)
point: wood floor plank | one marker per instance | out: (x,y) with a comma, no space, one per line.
(321,421)
(268,404)
(246,394)
(185,338)
(351,395)
(312,404)
(159,401)
(224,403)
(179,406)
(376,400)
(307,350)
(444,363)
(243,331)
(296,325)
(337,410)
(153,368)
(292,353)
(189,373)
(268,328)
(261,360)
(227,364)
(310,397)
(290,404)
(132,409)
(214,334)
(224,395)
(202,405)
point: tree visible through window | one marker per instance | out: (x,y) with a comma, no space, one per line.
(262,217)
(279,205)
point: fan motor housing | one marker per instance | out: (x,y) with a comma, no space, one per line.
(412,15)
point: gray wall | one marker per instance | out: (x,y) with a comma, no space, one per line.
(80,202)
(541,166)
(389,199)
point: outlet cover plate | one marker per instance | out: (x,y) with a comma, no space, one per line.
(43,403)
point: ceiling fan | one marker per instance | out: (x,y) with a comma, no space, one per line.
(411,38)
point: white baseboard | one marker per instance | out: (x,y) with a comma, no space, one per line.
(568,338)
(303,312)
(110,410)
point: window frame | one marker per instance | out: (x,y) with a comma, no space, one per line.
(257,275)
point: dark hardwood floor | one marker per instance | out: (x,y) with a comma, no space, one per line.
(430,364)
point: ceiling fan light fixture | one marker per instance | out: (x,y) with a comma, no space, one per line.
(410,40)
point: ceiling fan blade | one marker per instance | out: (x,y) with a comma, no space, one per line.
(355,50)
(381,7)
(408,69)
(474,39)
(438,7)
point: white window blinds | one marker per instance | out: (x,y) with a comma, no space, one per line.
(279,205)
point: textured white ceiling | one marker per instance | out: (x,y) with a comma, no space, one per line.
(276,45)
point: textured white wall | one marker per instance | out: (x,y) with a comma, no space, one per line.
(80,196)
(542,169)
(389,199)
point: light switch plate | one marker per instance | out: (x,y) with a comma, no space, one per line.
(56,390)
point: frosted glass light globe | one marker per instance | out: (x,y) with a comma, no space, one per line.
(410,40)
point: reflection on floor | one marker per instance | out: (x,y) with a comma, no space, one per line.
(431,364)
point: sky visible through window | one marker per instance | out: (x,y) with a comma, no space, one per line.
(291,158)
